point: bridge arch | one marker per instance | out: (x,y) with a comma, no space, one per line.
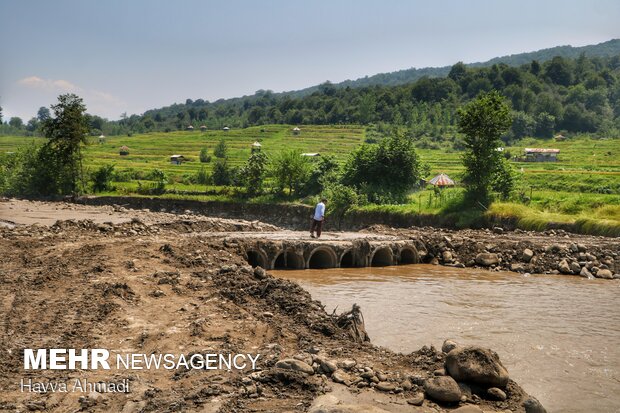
(347,259)
(381,257)
(257,258)
(409,255)
(322,257)
(288,260)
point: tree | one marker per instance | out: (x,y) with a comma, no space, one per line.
(252,174)
(16,122)
(482,121)
(220,149)
(290,170)
(66,133)
(384,171)
(102,178)
(204,155)
(44,114)
(341,200)
(221,174)
(325,170)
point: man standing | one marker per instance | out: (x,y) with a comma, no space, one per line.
(318,218)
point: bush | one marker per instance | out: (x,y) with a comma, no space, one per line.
(102,178)
(221,174)
(204,155)
(220,149)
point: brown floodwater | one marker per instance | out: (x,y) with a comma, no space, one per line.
(558,336)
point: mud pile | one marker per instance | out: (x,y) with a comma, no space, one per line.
(169,287)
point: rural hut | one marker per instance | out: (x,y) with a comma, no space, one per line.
(559,138)
(541,154)
(296,130)
(123,150)
(256,147)
(101,139)
(311,154)
(177,159)
(203,128)
(190,128)
(441,180)
(225,128)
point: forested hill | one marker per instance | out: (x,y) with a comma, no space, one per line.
(559,95)
(401,77)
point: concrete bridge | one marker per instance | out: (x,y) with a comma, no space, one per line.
(296,250)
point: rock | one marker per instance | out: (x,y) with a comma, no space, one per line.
(385,386)
(604,274)
(486,259)
(468,408)
(585,273)
(434,261)
(417,399)
(564,267)
(347,364)
(442,389)
(328,366)
(448,346)
(406,385)
(340,376)
(260,273)
(496,394)
(532,405)
(476,365)
(590,257)
(575,267)
(295,365)
(516,267)
(347,408)
(498,230)
(447,256)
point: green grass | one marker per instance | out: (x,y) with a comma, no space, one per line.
(581,189)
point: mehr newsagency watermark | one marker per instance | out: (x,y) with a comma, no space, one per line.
(101,359)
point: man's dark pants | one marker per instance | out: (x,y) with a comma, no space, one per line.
(316,226)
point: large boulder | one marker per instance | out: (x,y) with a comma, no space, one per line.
(295,365)
(476,365)
(532,405)
(442,389)
(486,259)
(604,274)
(527,255)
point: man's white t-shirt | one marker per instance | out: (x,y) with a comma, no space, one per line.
(319,211)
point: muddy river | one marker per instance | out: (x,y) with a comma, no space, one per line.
(558,336)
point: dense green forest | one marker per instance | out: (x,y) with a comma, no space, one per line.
(560,94)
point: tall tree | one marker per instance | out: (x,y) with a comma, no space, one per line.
(483,121)
(66,133)
(43,114)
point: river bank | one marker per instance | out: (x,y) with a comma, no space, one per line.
(165,286)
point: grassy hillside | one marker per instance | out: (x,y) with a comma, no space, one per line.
(584,185)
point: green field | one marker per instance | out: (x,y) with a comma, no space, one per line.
(583,185)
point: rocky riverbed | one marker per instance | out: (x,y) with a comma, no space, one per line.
(550,252)
(148,287)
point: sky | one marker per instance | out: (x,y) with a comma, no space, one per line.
(129,56)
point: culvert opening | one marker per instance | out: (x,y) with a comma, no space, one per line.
(322,258)
(347,260)
(408,256)
(256,259)
(382,258)
(288,261)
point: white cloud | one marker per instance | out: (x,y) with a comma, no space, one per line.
(35,82)
(97,101)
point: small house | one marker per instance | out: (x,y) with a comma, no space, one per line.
(189,128)
(256,146)
(225,128)
(296,130)
(560,138)
(123,151)
(311,155)
(541,154)
(203,128)
(101,139)
(177,159)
